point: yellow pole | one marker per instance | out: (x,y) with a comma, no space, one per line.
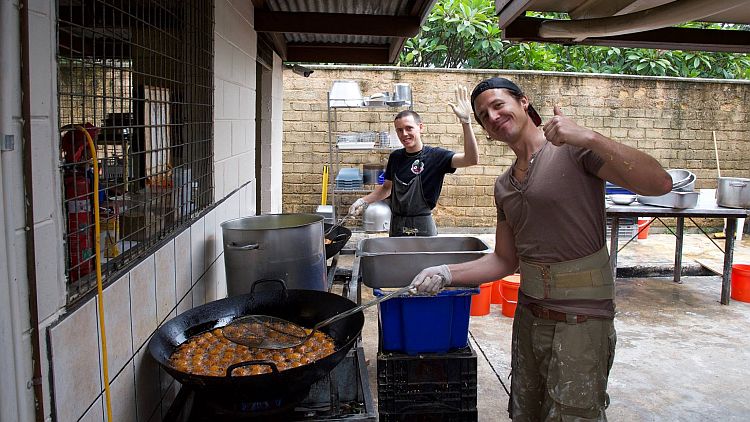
(98,255)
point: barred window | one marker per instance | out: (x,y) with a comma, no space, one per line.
(137,77)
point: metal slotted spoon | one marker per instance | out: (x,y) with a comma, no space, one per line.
(269,332)
(338,224)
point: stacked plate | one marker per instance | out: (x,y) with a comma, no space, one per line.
(349,178)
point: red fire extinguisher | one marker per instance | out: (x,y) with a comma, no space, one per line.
(79,201)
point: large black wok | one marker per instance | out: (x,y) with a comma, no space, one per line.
(303,307)
(338,236)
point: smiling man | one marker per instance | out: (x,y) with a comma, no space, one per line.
(551,227)
(414,174)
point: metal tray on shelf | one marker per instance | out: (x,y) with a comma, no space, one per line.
(673,199)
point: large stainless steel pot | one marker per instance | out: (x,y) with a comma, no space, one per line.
(733,192)
(284,246)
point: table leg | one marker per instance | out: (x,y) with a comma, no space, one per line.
(613,238)
(726,277)
(678,249)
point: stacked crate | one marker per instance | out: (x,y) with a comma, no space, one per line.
(428,387)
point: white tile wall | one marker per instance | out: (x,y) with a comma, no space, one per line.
(95,413)
(143,301)
(199,292)
(47,270)
(185,271)
(197,250)
(164,261)
(222,139)
(231,175)
(44,193)
(182,264)
(117,324)
(147,388)
(210,237)
(122,391)
(75,363)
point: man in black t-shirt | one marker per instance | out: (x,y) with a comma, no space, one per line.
(414,174)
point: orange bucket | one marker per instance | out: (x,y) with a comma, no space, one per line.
(741,282)
(497,294)
(643,227)
(480,304)
(509,308)
(509,289)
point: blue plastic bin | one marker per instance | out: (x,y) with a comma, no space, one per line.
(426,324)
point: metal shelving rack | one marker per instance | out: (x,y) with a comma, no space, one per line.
(334,160)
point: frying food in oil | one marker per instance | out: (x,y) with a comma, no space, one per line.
(210,353)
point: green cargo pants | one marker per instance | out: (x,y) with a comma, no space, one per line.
(559,370)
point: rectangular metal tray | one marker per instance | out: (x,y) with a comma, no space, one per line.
(394,261)
(673,199)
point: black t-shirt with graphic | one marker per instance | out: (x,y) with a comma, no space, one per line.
(432,163)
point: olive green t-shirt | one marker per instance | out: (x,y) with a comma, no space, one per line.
(557,214)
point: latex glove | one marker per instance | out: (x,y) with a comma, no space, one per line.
(462,108)
(432,280)
(357,207)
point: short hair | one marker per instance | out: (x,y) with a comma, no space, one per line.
(414,115)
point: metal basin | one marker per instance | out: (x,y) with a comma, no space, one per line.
(394,261)
(674,199)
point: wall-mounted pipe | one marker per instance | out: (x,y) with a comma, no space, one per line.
(663,16)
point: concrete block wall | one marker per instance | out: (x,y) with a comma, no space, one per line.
(670,118)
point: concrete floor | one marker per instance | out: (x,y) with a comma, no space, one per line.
(681,356)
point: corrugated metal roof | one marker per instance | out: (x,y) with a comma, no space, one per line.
(340,31)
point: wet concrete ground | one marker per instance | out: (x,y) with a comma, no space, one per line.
(681,356)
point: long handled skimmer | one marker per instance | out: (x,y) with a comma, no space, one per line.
(269,332)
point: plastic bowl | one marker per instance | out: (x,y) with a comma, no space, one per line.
(622,199)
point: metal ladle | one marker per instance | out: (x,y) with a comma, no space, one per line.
(269,332)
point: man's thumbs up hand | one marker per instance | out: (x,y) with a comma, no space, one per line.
(560,129)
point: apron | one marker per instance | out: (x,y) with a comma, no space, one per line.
(411,216)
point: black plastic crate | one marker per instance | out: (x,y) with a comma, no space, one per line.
(443,383)
(463,416)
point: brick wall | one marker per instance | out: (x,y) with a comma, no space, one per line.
(669,118)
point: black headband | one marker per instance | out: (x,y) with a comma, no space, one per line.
(501,83)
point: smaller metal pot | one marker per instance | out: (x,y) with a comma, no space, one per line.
(733,192)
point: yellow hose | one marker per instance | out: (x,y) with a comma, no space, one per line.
(98,254)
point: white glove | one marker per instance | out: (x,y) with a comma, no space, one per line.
(431,280)
(462,108)
(357,207)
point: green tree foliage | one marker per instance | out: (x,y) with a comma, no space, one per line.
(465,34)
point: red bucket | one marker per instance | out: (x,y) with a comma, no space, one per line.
(497,294)
(643,227)
(509,289)
(741,282)
(480,304)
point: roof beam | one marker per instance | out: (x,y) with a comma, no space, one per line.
(338,53)
(527,29)
(508,10)
(336,24)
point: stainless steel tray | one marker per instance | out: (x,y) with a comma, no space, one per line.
(673,199)
(394,261)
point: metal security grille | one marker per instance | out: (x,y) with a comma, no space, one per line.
(137,76)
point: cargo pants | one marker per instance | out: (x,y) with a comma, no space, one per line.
(559,370)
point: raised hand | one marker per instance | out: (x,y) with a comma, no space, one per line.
(462,107)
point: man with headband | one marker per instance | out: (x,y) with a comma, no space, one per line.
(414,174)
(551,223)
